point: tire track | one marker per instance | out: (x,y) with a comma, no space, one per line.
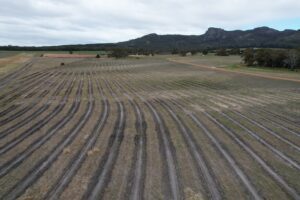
(280,117)
(242,176)
(25,121)
(137,174)
(269,116)
(8,110)
(211,186)
(47,161)
(23,88)
(5,80)
(20,87)
(76,162)
(37,126)
(278,179)
(234,99)
(274,134)
(167,148)
(28,119)
(29,76)
(268,113)
(174,190)
(194,149)
(265,118)
(255,112)
(12,107)
(44,84)
(273,149)
(289,190)
(24,110)
(103,174)
(58,89)
(279,125)
(283,184)
(269,131)
(276,152)
(16,96)
(136,190)
(18,159)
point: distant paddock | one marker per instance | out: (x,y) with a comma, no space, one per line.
(50,55)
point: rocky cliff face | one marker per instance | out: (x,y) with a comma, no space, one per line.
(215,33)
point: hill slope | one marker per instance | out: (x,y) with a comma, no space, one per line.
(213,38)
(216,38)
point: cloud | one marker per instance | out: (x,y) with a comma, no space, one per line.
(53,22)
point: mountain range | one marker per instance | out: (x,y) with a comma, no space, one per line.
(213,38)
(219,38)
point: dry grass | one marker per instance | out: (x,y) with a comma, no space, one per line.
(8,64)
(198,90)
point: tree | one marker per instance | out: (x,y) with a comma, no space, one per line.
(221,52)
(278,57)
(260,57)
(248,56)
(235,51)
(183,53)
(97,56)
(194,52)
(174,51)
(70,52)
(292,59)
(268,58)
(205,52)
(119,53)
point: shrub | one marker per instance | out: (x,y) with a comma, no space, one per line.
(292,60)
(235,51)
(183,53)
(205,52)
(221,52)
(119,53)
(194,52)
(174,51)
(248,56)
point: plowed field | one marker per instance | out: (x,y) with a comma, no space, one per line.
(147,128)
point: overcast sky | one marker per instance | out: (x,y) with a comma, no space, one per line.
(53,22)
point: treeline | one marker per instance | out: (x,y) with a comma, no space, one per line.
(276,58)
(87,47)
(218,52)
